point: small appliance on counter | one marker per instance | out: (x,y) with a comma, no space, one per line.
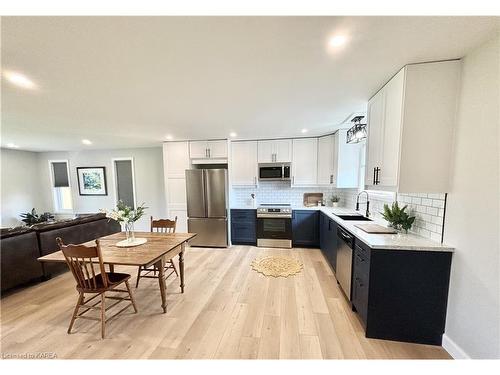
(274,225)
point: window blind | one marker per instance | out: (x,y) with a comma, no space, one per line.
(61,178)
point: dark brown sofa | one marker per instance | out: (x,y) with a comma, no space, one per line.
(19,253)
(82,229)
(20,247)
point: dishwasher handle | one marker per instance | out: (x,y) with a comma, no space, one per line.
(345,236)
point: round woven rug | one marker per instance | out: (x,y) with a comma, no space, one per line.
(277,266)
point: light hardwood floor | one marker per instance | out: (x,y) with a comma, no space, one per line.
(227,311)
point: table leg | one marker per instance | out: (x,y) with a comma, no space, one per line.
(181,266)
(161,281)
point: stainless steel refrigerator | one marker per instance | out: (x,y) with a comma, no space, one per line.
(207,206)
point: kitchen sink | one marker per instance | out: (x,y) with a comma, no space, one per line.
(353,217)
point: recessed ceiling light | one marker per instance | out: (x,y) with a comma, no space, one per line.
(12,145)
(168,137)
(19,79)
(337,41)
(304,131)
(232,134)
(86,142)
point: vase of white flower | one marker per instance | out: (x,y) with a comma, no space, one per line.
(129,231)
(127,216)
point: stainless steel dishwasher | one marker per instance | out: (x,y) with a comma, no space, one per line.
(345,244)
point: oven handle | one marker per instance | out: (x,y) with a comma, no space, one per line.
(274,216)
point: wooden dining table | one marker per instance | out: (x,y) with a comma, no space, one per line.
(159,249)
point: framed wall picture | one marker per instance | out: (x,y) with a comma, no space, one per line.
(92,180)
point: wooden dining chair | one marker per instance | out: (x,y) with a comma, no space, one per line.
(159,226)
(87,267)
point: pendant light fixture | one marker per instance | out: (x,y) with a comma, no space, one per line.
(358,130)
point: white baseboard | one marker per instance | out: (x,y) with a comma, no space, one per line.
(453,349)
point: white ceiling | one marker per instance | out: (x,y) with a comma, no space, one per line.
(130,81)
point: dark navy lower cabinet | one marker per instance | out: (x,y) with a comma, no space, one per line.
(243,227)
(328,239)
(401,294)
(305,228)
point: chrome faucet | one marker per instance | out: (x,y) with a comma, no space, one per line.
(367,203)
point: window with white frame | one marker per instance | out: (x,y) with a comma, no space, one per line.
(61,188)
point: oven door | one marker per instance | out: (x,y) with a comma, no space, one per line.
(274,232)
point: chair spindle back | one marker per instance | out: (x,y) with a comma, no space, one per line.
(82,261)
(163,225)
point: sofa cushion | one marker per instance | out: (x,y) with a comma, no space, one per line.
(72,234)
(19,263)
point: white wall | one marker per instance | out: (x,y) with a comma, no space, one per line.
(20,190)
(472,214)
(148,168)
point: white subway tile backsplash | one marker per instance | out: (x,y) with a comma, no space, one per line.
(427,202)
(432,211)
(427,208)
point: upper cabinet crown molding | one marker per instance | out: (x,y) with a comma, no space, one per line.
(275,151)
(410,129)
(208,152)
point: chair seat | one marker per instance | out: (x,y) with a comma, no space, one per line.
(114,278)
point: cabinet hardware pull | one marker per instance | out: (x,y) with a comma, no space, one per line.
(377,180)
(373,175)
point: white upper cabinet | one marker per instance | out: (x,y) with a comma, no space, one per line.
(283,150)
(326,152)
(338,162)
(217,149)
(244,170)
(346,161)
(198,149)
(410,129)
(207,151)
(305,162)
(275,151)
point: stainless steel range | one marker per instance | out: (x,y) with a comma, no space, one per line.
(274,225)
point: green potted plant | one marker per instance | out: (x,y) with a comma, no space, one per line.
(32,218)
(397,217)
(335,199)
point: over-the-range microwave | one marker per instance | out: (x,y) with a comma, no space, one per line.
(274,171)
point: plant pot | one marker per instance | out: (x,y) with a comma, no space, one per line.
(335,204)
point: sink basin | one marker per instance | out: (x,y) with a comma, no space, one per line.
(353,217)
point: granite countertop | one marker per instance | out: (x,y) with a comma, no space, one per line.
(408,241)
